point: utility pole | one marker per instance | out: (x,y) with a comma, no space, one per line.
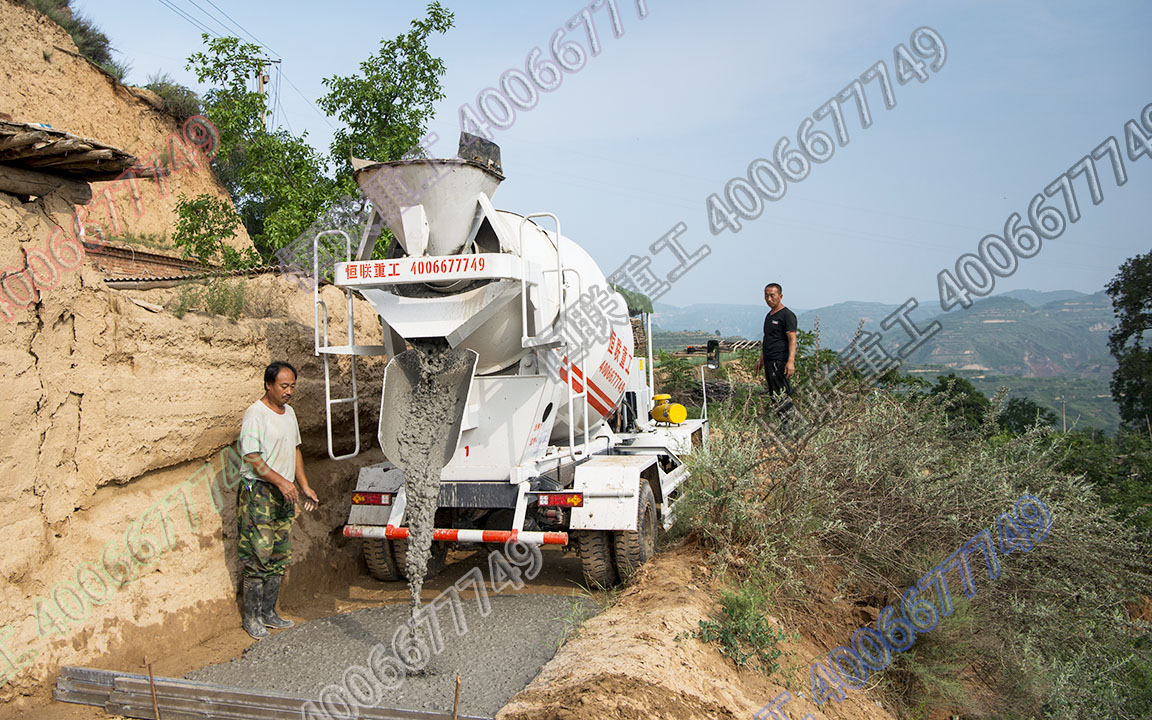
(262,79)
(1063,412)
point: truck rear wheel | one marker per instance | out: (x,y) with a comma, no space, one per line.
(595,548)
(387,559)
(378,554)
(633,549)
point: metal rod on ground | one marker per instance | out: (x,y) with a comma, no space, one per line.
(152,684)
(456,702)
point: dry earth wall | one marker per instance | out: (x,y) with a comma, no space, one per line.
(107,415)
(44,80)
(110,409)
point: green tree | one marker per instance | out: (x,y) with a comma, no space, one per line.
(1120,467)
(204,225)
(1131,293)
(678,375)
(275,178)
(1020,414)
(388,105)
(966,403)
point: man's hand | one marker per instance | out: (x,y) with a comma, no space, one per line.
(789,369)
(310,499)
(288,490)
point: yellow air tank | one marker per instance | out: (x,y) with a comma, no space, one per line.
(668,412)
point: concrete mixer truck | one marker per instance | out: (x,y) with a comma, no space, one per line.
(553,436)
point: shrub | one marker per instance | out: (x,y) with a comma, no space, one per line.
(117,68)
(884,489)
(676,372)
(216,296)
(203,226)
(178,101)
(91,43)
(742,630)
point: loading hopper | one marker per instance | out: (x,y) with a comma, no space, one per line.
(445,188)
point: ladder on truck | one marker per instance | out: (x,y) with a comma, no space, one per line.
(527,341)
(326,350)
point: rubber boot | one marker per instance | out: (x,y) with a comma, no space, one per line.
(268,607)
(250,608)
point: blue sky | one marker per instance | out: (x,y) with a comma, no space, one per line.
(686,98)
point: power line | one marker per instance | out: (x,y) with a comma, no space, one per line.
(243,29)
(196,23)
(168,4)
(285,115)
(318,110)
(227,30)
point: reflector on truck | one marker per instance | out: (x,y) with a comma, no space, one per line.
(560,500)
(371,498)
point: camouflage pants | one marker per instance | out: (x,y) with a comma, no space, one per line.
(265,520)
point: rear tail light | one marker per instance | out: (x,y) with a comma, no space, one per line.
(372,498)
(560,499)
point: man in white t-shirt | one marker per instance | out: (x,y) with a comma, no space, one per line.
(266,499)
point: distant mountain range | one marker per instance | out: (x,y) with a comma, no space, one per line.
(1024,333)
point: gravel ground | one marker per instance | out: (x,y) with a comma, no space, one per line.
(496,658)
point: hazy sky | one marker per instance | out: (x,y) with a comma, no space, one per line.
(686,98)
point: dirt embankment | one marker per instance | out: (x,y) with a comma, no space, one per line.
(44,80)
(627,663)
(110,410)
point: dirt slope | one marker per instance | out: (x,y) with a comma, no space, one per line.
(44,80)
(109,409)
(626,664)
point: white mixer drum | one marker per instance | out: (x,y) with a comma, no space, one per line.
(600,349)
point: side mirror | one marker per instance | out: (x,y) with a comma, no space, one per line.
(713,354)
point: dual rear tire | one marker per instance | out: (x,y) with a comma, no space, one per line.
(387,559)
(611,557)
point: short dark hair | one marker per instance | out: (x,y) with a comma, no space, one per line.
(775,285)
(273,371)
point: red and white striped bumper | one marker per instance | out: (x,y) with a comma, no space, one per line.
(526,537)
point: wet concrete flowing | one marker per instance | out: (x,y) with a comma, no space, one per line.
(424,445)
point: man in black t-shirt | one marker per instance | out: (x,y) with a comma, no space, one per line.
(778,350)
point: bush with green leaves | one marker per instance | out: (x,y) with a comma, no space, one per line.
(216,296)
(204,224)
(90,41)
(742,629)
(178,101)
(1119,467)
(882,491)
(676,372)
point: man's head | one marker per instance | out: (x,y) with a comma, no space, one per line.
(773,295)
(279,383)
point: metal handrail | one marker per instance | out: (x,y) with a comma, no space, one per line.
(526,340)
(317,303)
(530,341)
(584,385)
